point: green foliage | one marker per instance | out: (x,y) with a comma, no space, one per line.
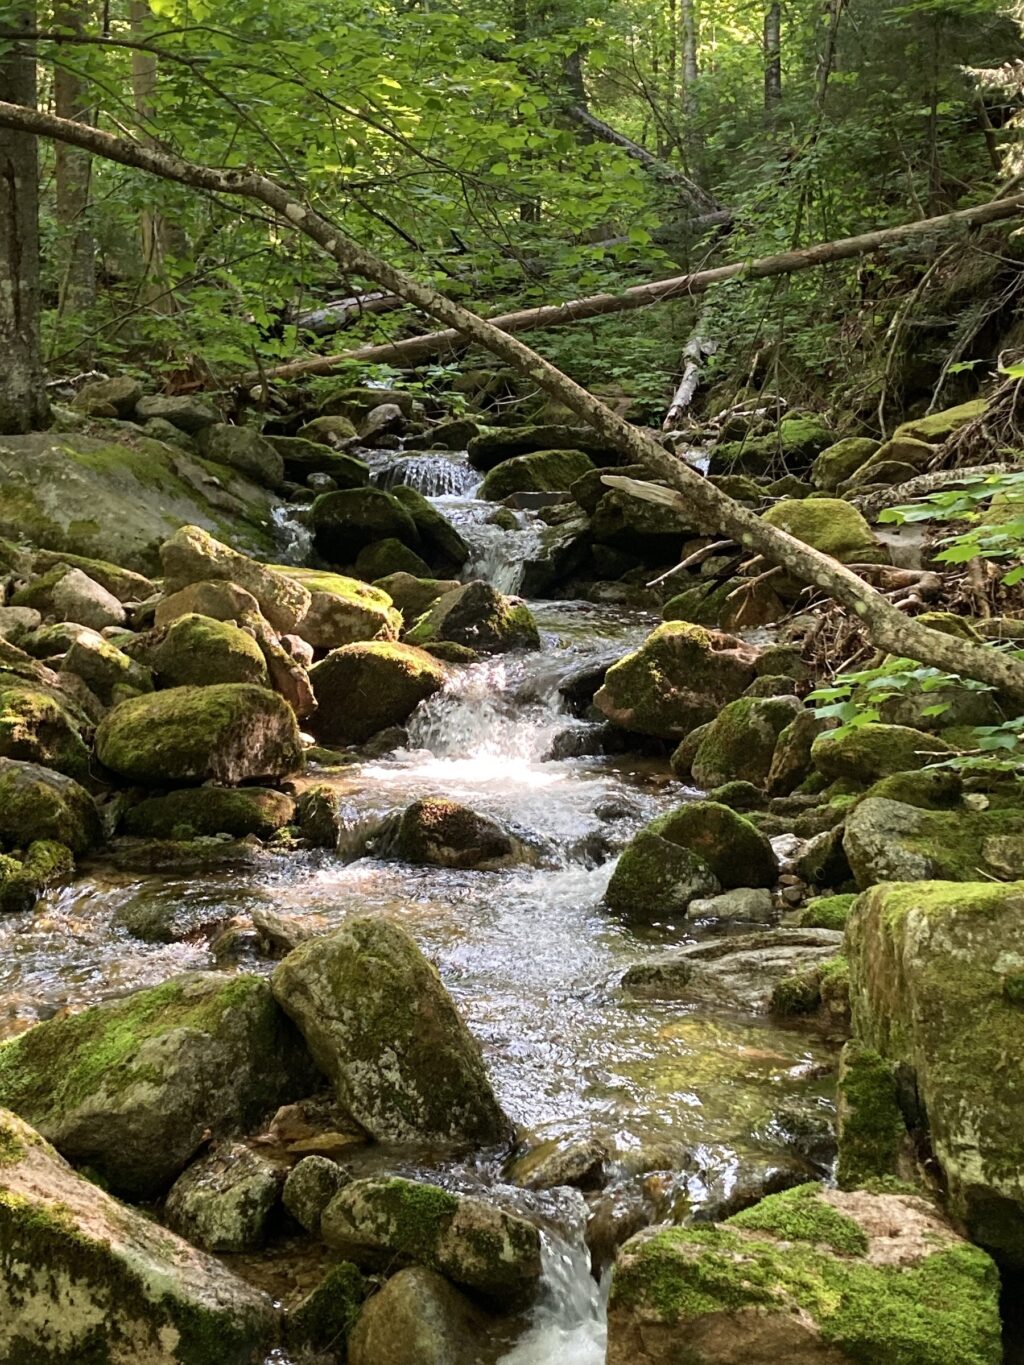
(856,698)
(992,507)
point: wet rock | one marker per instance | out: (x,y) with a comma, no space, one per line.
(37,803)
(280,935)
(551,1165)
(158,915)
(810,1275)
(413,596)
(737,795)
(219,600)
(418,1318)
(192,555)
(891,841)
(831,525)
(734,604)
(198,651)
(231,732)
(190,415)
(389,556)
(224,1201)
(318,816)
(479,617)
(310,1187)
(106,670)
(343,611)
(363,688)
(936,986)
(381,1026)
(874,1141)
(442,833)
(737,972)
(80,1267)
(323,1321)
(132,1088)
(469,1241)
(245,449)
(41,724)
(679,678)
(745,903)
(194,812)
(869,752)
(348,520)
(543,471)
(652,531)
(740,742)
(23,880)
(114,397)
(655,878)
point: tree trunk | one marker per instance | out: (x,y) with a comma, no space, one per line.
(772,58)
(23,404)
(73,172)
(152,227)
(697,498)
(688,44)
(415,349)
(697,349)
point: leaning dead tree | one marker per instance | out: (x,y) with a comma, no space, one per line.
(705,506)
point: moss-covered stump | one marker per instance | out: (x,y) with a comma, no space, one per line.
(37,803)
(196,812)
(680,677)
(23,880)
(192,555)
(230,732)
(363,688)
(872,751)
(442,833)
(479,617)
(418,1318)
(830,525)
(132,1088)
(889,840)
(545,471)
(807,1277)
(87,1279)
(346,521)
(343,611)
(225,1200)
(737,972)
(413,596)
(472,1243)
(841,461)
(385,1031)
(38,725)
(740,742)
(936,986)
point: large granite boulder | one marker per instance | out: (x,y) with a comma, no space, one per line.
(888,841)
(808,1277)
(39,724)
(679,678)
(198,651)
(86,1278)
(868,752)
(344,610)
(132,1088)
(418,1318)
(544,471)
(192,555)
(229,732)
(363,688)
(385,1031)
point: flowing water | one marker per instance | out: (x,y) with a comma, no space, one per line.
(688,1104)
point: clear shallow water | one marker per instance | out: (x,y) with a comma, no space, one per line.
(686,1103)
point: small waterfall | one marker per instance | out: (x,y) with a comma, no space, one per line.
(433,474)
(293,536)
(569,1324)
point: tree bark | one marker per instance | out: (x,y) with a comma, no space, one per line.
(700,501)
(152,226)
(414,349)
(772,57)
(72,176)
(688,44)
(23,404)
(700,199)
(697,348)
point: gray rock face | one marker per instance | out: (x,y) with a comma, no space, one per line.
(80,1267)
(469,1241)
(310,1187)
(244,449)
(192,555)
(77,597)
(187,414)
(735,973)
(418,1318)
(220,600)
(132,1087)
(385,1031)
(745,903)
(891,841)
(224,1201)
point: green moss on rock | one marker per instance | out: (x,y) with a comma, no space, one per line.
(740,742)
(827,912)
(543,471)
(479,617)
(39,804)
(38,727)
(871,1129)
(195,812)
(830,525)
(870,752)
(363,688)
(197,651)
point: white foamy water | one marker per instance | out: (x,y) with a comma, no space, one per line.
(568,1325)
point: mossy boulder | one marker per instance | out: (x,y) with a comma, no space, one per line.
(413,596)
(37,803)
(344,610)
(198,651)
(382,1027)
(23,880)
(363,688)
(545,471)
(827,912)
(655,879)
(728,605)
(242,448)
(228,732)
(810,1275)
(419,1318)
(734,849)
(792,445)
(442,544)
(893,462)
(185,411)
(497,445)
(346,521)
(680,677)
(327,431)
(930,788)
(830,525)
(134,1087)
(197,812)
(888,840)
(741,740)
(389,556)
(191,555)
(935,981)
(71,595)
(89,1279)
(39,725)
(480,617)
(113,397)
(442,833)
(304,455)
(125,585)
(224,1201)
(939,426)
(841,461)
(791,760)
(650,531)
(472,1243)
(358,401)
(108,672)
(324,1319)
(217,598)
(868,752)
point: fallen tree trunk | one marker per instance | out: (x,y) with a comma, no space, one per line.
(332,317)
(414,349)
(696,350)
(700,501)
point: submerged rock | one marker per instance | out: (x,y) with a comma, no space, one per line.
(479,617)
(363,688)
(84,1273)
(679,678)
(384,1030)
(224,1201)
(133,1087)
(418,1318)
(229,732)
(805,1277)
(469,1241)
